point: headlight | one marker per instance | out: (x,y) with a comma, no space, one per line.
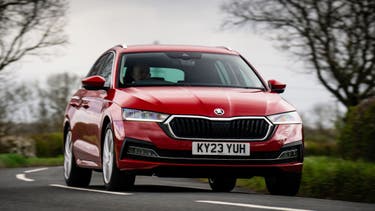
(285,118)
(139,115)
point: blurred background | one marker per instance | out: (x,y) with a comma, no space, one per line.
(323,50)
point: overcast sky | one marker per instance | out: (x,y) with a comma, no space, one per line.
(95,26)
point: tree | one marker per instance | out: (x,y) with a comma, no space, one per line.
(54,98)
(16,105)
(336,38)
(34,106)
(29,26)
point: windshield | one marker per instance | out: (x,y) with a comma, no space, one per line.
(186,69)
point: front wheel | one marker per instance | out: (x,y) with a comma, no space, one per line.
(73,174)
(113,178)
(222,184)
(286,184)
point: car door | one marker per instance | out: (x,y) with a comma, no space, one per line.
(90,111)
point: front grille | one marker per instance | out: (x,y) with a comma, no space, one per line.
(205,128)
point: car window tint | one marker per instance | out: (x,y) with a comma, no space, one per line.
(97,66)
(188,69)
(106,69)
(224,77)
(167,74)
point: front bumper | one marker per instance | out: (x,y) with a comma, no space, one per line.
(154,152)
(145,158)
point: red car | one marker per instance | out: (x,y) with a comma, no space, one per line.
(181,111)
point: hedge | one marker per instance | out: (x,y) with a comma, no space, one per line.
(48,144)
(330,178)
(358,134)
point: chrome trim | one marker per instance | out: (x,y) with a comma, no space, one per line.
(225,47)
(219,111)
(170,118)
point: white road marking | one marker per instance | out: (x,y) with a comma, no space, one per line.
(35,170)
(250,205)
(24,178)
(91,190)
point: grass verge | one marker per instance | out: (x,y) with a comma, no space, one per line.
(330,178)
(15,160)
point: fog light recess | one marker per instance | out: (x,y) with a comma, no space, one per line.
(289,154)
(140,151)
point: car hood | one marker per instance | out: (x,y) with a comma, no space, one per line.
(202,100)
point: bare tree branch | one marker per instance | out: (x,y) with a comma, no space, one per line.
(335,38)
(29,26)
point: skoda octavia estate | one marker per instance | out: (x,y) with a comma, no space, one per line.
(181,111)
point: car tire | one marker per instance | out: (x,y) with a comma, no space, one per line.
(222,184)
(73,174)
(113,178)
(286,184)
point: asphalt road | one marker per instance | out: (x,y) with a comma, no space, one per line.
(44,189)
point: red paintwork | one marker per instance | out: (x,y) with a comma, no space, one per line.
(276,86)
(146,165)
(93,81)
(88,109)
(202,100)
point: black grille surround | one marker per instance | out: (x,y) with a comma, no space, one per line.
(252,128)
(186,157)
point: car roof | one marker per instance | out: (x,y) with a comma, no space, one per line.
(176,48)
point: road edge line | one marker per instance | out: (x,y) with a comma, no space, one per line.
(250,205)
(36,170)
(90,190)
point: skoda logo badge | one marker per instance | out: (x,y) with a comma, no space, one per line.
(219,111)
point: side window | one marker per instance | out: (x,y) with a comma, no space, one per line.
(103,67)
(96,67)
(106,69)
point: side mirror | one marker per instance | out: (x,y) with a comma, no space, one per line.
(276,86)
(93,82)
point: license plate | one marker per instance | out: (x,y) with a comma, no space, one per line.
(221,148)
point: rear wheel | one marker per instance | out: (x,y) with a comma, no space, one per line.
(73,174)
(286,184)
(222,184)
(113,178)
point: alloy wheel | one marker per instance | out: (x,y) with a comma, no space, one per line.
(108,156)
(68,155)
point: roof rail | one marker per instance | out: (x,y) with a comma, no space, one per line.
(117,46)
(121,46)
(225,47)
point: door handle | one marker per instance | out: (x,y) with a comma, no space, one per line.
(85,104)
(75,101)
(74,104)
